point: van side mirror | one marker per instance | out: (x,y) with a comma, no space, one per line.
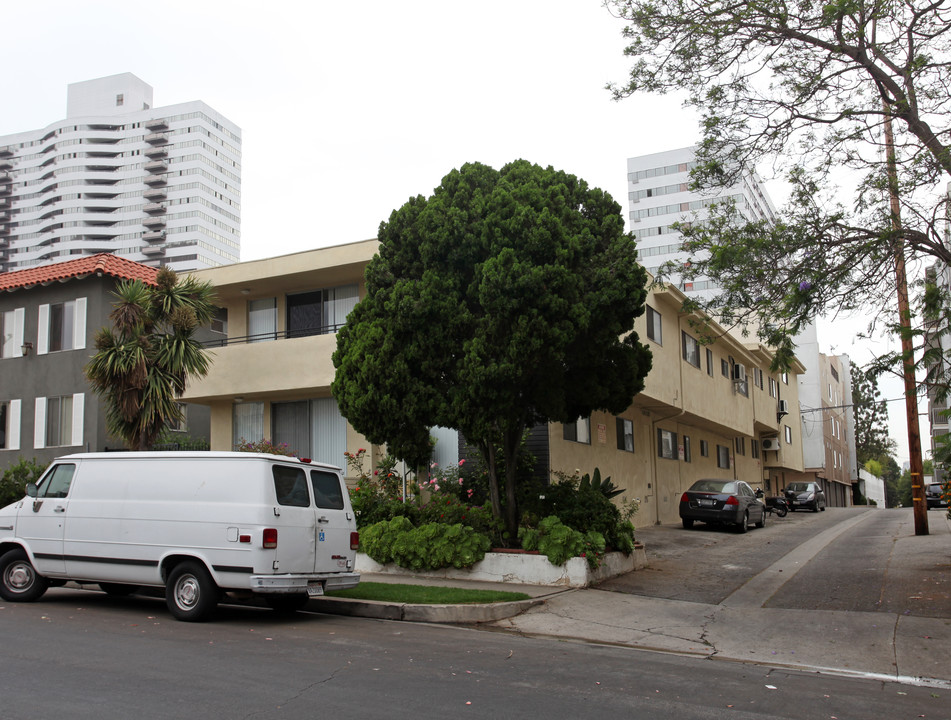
(31,490)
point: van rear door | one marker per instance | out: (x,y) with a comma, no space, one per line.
(334,521)
(296,522)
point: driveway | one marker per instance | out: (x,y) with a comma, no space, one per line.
(875,565)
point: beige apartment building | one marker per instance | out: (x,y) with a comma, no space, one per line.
(708,410)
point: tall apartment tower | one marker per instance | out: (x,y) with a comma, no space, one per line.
(160,186)
(659,195)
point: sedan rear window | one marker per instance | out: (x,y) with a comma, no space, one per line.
(714,486)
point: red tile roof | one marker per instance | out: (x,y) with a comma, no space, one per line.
(101,264)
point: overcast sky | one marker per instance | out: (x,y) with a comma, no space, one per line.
(347,109)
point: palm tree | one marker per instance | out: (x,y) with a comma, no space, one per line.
(143,361)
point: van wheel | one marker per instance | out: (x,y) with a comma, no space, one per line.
(20,581)
(287,604)
(190,593)
(117,589)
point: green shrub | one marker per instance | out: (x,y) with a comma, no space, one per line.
(584,504)
(559,543)
(14,480)
(429,547)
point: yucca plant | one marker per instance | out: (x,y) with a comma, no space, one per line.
(143,361)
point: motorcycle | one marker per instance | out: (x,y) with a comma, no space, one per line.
(776,504)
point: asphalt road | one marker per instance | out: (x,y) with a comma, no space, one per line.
(856,571)
(81,654)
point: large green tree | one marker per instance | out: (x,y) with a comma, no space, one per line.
(871,417)
(807,89)
(143,361)
(505,299)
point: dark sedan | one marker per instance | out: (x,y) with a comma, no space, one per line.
(805,496)
(935,496)
(730,502)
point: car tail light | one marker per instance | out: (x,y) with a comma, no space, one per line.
(354,540)
(270,538)
(732,500)
(684,498)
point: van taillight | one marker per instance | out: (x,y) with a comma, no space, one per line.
(354,540)
(270,538)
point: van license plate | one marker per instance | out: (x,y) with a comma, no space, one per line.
(315,589)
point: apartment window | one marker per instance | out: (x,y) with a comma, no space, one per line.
(709,362)
(724,368)
(835,373)
(219,323)
(723,456)
(579,431)
(247,423)
(59,421)
(754,448)
(262,320)
(773,388)
(666,444)
(11,333)
(625,434)
(740,445)
(320,311)
(686,441)
(788,432)
(704,448)
(654,327)
(180,424)
(691,349)
(311,428)
(120,100)
(758,378)
(785,377)
(62,320)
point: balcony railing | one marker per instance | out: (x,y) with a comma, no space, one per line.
(271,336)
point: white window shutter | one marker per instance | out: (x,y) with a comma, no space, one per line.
(13,430)
(39,424)
(79,326)
(43,334)
(19,323)
(78,400)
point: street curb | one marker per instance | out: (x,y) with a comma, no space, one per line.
(446,614)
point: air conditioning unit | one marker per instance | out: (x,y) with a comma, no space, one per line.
(739,373)
(771,443)
(783,407)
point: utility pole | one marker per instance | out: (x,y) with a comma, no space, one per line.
(919,504)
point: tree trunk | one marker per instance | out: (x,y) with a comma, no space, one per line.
(488,449)
(512,440)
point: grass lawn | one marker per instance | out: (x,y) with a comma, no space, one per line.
(425,594)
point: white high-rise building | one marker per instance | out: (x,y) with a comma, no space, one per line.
(161,186)
(659,195)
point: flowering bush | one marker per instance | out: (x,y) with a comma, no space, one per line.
(377,496)
(264,446)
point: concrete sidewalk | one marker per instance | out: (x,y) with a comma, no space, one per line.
(894,646)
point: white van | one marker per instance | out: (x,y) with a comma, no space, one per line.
(199,524)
